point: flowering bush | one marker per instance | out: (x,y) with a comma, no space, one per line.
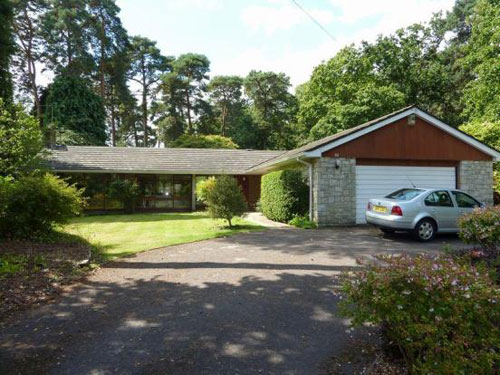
(482,227)
(443,315)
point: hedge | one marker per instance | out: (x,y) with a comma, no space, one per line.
(284,194)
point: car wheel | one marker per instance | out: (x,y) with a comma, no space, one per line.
(425,230)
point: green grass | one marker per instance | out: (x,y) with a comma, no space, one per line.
(120,235)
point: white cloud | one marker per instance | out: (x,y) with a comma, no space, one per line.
(391,14)
(280,15)
(298,64)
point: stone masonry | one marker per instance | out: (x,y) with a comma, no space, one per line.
(334,191)
(476,178)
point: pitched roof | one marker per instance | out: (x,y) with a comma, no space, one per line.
(292,154)
(155,160)
(315,149)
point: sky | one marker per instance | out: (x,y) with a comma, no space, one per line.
(240,35)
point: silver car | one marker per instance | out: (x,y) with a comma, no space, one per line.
(422,212)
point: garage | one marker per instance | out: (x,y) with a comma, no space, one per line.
(401,149)
(380,180)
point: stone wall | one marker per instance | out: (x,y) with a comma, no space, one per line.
(334,191)
(476,178)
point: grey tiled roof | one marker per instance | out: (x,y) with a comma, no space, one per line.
(156,160)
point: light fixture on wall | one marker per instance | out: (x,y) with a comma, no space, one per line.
(411,119)
(337,161)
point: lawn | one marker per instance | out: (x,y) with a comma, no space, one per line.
(119,235)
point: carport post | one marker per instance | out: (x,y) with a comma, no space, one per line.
(310,167)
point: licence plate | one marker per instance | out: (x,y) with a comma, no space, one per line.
(379,209)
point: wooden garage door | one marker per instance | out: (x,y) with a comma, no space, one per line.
(378,181)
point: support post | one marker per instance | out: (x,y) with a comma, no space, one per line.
(310,173)
(193,192)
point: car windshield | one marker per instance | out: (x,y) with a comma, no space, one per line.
(405,194)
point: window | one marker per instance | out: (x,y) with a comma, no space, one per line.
(465,201)
(439,199)
(405,194)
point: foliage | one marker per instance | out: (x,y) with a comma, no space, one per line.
(203,141)
(21,142)
(442,314)
(67,37)
(303,222)
(284,194)
(11,264)
(72,105)
(125,191)
(482,226)
(31,206)
(489,133)
(226,94)
(272,109)
(223,197)
(482,95)
(6,49)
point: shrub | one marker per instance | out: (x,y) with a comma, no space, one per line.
(284,194)
(223,197)
(442,314)
(302,222)
(482,227)
(126,192)
(30,206)
(203,141)
(21,145)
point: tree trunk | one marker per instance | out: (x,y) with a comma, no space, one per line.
(145,117)
(101,62)
(223,121)
(188,106)
(113,127)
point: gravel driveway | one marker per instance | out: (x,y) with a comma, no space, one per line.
(247,304)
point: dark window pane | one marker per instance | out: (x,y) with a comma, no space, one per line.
(465,201)
(439,199)
(405,194)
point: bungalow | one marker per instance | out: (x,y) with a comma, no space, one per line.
(407,147)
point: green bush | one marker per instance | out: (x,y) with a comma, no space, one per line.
(284,194)
(482,227)
(302,222)
(126,192)
(223,197)
(203,141)
(441,313)
(21,142)
(31,206)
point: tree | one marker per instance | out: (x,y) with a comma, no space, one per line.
(191,71)
(6,49)
(482,95)
(273,108)
(147,67)
(66,30)
(203,141)
(75,112)
(126,192)
(223,197)
(226,94)
(342,93)
(22,142)
(27,30)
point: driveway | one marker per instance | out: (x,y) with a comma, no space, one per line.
(248,304)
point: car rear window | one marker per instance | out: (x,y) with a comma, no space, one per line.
(405,194)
